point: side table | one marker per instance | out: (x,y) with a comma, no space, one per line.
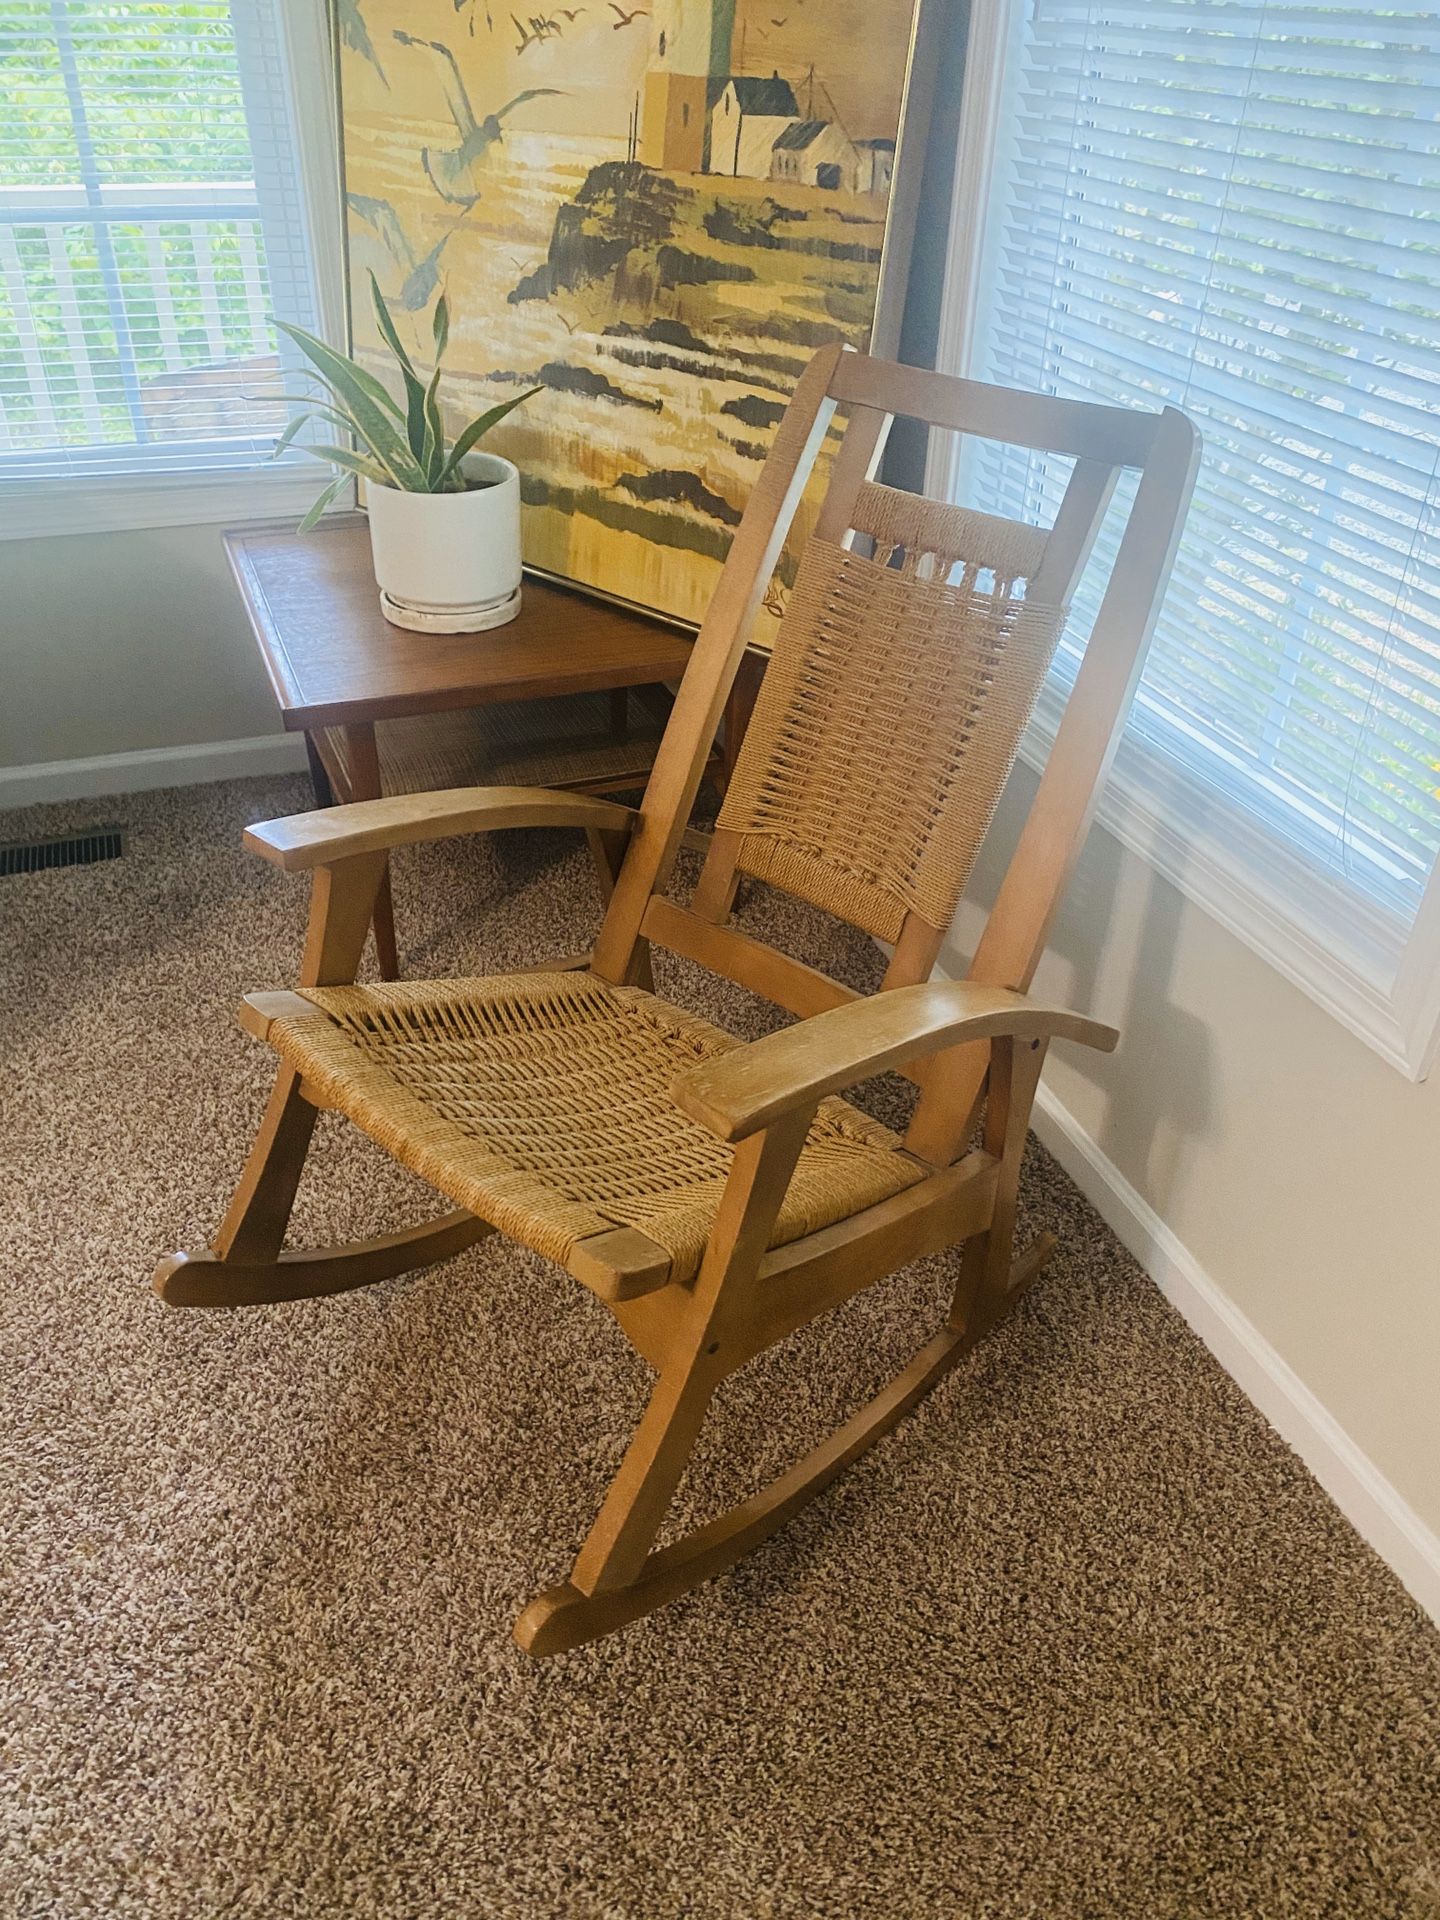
(570,694)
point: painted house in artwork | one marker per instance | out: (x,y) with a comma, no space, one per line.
(819,153)
(877,165)
(746,121)
(690,52)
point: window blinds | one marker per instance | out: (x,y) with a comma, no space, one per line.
(150,216)
(1231,206)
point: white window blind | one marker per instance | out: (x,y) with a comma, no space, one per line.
(1231,206)
(150,219)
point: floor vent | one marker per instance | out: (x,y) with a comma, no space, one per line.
(61,850)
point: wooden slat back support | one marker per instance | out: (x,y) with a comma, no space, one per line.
(1102,441)
(1078,429)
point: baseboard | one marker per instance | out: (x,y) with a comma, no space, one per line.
(1372,1506)
(151,767)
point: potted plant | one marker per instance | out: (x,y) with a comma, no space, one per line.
(444,516)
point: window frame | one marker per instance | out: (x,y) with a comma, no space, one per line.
(126,498)
(1366,967)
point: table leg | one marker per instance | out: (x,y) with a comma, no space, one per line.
(319,776)
(362,759)
(739,709)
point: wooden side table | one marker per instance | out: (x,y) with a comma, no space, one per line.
(384,711)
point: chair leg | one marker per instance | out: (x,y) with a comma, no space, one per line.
(617,1578)
(253,1229)
(616,1547)
(609,1570)
(245,1266)
(989,1275)
(387,952)
(569,1615)
(606,1584)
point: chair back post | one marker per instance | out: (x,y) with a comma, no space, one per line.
(1021,919)
(680,762)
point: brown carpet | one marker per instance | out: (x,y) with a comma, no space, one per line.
(1081,1639)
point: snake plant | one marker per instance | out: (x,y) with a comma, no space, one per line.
(401,446)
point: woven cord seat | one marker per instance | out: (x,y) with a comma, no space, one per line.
(541,1102)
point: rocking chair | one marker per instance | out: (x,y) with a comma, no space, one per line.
(717,1196)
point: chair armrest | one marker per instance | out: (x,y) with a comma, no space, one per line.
(305,840)
(740,1093)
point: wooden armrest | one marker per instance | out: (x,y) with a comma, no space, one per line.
(305,840)
(740,1093)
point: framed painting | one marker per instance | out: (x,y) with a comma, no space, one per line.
(653,213)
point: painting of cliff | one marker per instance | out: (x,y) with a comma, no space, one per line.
(654,213)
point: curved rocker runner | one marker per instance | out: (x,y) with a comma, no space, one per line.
(718,1196)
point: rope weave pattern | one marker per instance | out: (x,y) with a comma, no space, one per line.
(541,1102)
(892,711)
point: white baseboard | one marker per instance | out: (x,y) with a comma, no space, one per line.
(151,767)
(1366,1498)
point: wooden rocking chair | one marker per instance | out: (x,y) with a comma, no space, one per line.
(717,1196)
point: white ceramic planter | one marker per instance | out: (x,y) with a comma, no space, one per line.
(449,562)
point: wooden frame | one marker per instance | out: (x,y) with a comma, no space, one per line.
(955,1039)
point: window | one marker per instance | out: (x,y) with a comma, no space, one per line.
(151,217)
(1230,206)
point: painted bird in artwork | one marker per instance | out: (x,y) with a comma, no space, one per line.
(355,35)
(454,172)
(636,13)
(421,275)
(538,32)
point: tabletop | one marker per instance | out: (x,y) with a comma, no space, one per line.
(333,659)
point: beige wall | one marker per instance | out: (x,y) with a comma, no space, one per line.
(118,641)
(1300,1170)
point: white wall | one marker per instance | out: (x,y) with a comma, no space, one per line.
(1301,1172)
(120,641)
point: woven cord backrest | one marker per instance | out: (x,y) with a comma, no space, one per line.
(892,711)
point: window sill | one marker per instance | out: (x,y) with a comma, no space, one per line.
(130,502)
(1365,967)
